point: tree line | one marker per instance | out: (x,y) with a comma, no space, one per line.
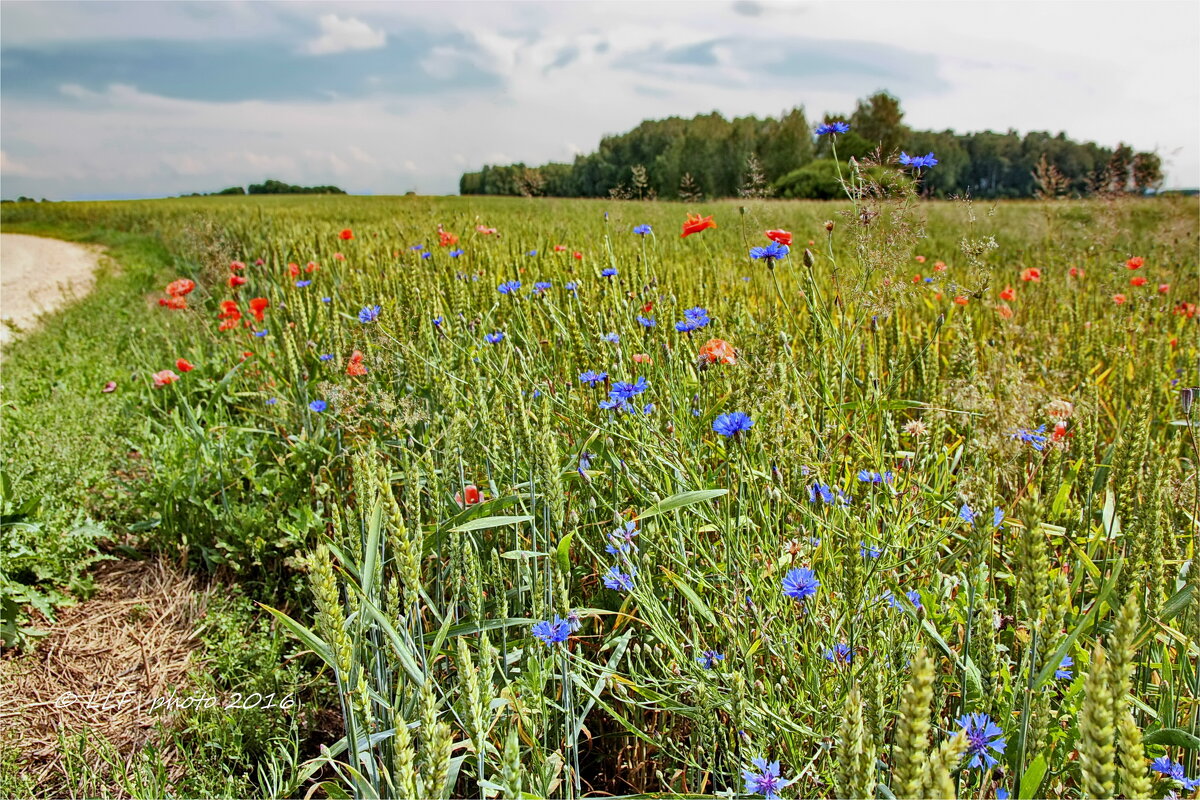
(711,156)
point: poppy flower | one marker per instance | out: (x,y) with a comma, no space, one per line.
(696,223)
(938,296)
(1032,274)
(716,351)
(1060,431)
(1076,272)
(917,278)
(560,248)
(1138,280)
(257,306)
(183,365)
(164,378)
(338,257)
(961,300)
(578,256)
(1135,263)
(258,262)
(445,238)
(311,267)
(1004,311)
(642,358)
(469,496)
(346,235)
(920,259)
(229,310)
(247,354)
(1119,298)
(939,266)
(355,366)
(1163,288)
(236,281)
(485,230)
(1186,310)
(781,237)
(294,269)
(176,303)
(1009,293)
(236,265)
(109,387)
(180,287)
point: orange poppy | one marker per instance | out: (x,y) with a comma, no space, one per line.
(180,287)
(1004,311)
(717,351)
(560,248)
(642,358)
(355,366)
(338,257)
(920,259)
(346,235)
(294,269)
(961,300)
(696,223)
(183,365)
(939,266)
(257,306)
(1119,298)
(781,237)
(174,302)
(578,256)
(1031,274)
(1186,310)
(311,267)
(1163,288)
(445,239)
(1135,263)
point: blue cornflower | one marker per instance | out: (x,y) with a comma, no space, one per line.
(966,514)
(619,581)
(509,287)
(615,403)
(913,596)
(369,314)
(585,461)
(642,230)
(648,409)
(918,162)
(623,390)
(820,490)
(302,284)
(532,253)
(1036,438)
(326,299)
(261,334)
(1002,794)
(982,734)
(553,631)
(733,423)
(318,406)
(710,659)
(693,318)
(272,401)
(997,517)
(1063,673)
(494,338)
(646,322)
(417,247)
(542,286)
(826,128)
(620,541)
(326,356)
(608,272)
(766,781)
(867,476)
(455,253)
(839,654)
(574,622)
(1162,765)
(572,286)
(800,583)
(772,252)
(591,377)
(426,255)
(867,551)
(611,337)
(437,321)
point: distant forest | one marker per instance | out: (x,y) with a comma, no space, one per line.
(710,156)
(270,186)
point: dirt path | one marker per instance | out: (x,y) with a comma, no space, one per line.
(38,275)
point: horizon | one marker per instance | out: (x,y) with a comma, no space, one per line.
(119,100)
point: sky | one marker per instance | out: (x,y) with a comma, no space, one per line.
(149,99)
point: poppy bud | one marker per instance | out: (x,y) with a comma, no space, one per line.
(829,225)
(808,257)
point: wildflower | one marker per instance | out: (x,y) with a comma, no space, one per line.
(982,734)
(866,476)
(780,237)
(695,223)
(354,367)
(235,266)
(369,314)
(542,286)
(455,253)
(302,284)
(620,541)
(1163,288)
(272,401)
(532,253)
(494,338)
(509,287)
(572,286)
(771,253)
(176,303)
(642,358)
(574,622)
(438,320)
(913,596)
(939,266)
(716,351)
(469,496)
(612,338)
(641,230)
(560,248)
(257,306)
(966,514)
(578,256)
(318,406)
(326,357)
(732,424)
(294,270)
(827,128)
(326,299)
(591,377)
(619,581)
(485,230)
(623,390)
(868,551)
(427,255)
(346,235)
(109,387)
(1033,274)
(766,781)
(552,632)
(1075,272)
(920,259)
(417,247)
(163,378)
(608,272)
(1060,409)
(1163,765)
(961,300)
(800,583)
(1035,438)
(1187,310)
(1004,311)
(839,654)
(997,517)
(338,257)
(183,365)
(310,267)
(915,428)
(918,162)
(236,281)
(710,659)
(693,319)
(1063,673)
(1135,263)
(261,334)
(445,239)
(646,322)
(1060,431)
(180,287)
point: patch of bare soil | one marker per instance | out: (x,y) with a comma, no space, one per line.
(37,275)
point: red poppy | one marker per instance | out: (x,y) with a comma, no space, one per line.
(961,300)
(696,223)
(183,365)
(236,265)
(355,366)
(163,378)
(1009,293)
(578,256)
(717,351)
(257,306)
(560,248)
(346,235)
(311,267)
(917,278)
(781,237)
(294,269)
(1076,272)
(1163,288)
(1060,431)
(646,309)
(247,354)
(1119,298)
(338,257)
(642,358)
(939,266)
(1135,263)
(229,309)
(258,262)
(236,281)
(1004,311)
(446,239)
(1138,280)
(1031,274)
(920,259)
(180,287)
(1186,310)
(485,230)
(937,296)
(177,303)
(469,496)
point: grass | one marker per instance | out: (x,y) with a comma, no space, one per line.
(338,491)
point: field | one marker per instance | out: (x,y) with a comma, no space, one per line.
(514,501)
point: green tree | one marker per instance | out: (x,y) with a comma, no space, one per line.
(879,120)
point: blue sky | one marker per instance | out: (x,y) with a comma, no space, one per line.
(144,99)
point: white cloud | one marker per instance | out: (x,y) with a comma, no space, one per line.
(339,35)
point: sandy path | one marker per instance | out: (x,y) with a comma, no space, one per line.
(38,275)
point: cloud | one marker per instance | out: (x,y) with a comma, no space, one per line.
(340,35)
(10,167)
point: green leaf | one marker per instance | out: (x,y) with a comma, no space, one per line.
(563,553)
(490,522)
(1172,737)
(310,639)
(1032,779)
(681,500)
(1052,664)
(692,597)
